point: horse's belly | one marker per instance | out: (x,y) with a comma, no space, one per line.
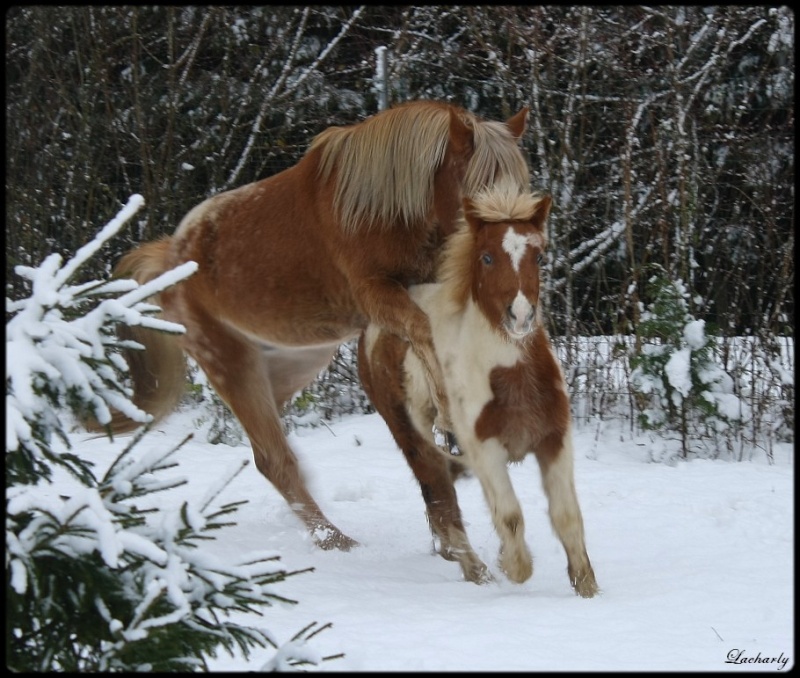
(272,312)
(300,324)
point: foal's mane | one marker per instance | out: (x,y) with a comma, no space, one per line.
(501,202)
(385,165)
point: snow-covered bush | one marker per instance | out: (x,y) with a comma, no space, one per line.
(336,392)
(99,577)
(677,377)
(62,352)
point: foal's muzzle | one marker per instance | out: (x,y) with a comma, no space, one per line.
(519,319)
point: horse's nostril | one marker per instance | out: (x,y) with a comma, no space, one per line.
(511,313)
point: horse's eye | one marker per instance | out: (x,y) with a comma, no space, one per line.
(487,259)
(541,259)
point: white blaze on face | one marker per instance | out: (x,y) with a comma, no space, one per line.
(514,245)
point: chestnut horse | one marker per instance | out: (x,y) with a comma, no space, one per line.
(292,266)
(506,390)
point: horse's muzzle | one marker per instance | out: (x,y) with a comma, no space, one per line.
(518,321)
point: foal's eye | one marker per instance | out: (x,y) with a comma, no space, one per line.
(541,259)
(487,259)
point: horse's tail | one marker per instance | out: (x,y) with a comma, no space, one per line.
(158,372)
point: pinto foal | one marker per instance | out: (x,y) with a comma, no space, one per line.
(507,394)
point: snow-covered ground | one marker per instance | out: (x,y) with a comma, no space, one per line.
(695,560)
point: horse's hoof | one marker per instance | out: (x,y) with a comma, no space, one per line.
(328,540)
(479,575)
(517,565)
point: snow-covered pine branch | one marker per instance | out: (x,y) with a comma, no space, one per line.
(62,350)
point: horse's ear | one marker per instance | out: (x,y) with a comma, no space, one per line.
(541,212)
(517,123)
(462,135)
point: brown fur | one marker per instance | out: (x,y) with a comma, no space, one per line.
(292,265)
(511,378)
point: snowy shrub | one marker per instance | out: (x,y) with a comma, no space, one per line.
(336,392)
(676,376)
(100,577)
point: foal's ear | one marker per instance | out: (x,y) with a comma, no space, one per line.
(541,211)
(517,123)
(462,135)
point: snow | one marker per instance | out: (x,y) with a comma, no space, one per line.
(678,373)
(695,560)
(694,334)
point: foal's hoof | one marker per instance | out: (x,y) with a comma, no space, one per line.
(328,539)
(517,564)
(585,585)
(445,441)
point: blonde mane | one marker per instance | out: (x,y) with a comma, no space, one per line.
(494,204)
(497,158)
(385,165)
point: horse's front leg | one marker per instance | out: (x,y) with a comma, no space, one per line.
(388,304)
(489,461)
(441,503)
(393,379)
(421,340)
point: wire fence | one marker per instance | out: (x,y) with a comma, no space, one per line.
(598,375)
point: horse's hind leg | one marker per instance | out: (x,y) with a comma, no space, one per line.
(556,463)
(240,374)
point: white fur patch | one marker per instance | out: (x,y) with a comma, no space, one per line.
(468,349)
(515,243)
(520,308)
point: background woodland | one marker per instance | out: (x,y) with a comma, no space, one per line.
(664,134)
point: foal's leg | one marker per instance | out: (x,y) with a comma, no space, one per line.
(240,374)
(489,461)
(556,462)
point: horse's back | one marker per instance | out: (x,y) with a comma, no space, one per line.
(268,260)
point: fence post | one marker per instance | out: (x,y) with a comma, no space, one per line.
(381,83)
